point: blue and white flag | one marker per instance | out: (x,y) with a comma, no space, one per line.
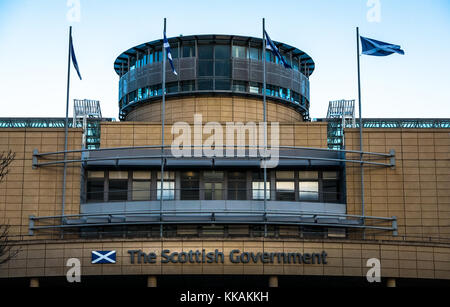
(377,48)
(169,54)
(100,257)
(74,58)
(271,46)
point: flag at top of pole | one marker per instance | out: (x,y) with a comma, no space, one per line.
(376,48)
(271,46)
(74,58)
(169,54)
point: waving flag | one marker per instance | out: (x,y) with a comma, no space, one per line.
(271,46)
(101,257)
(377,48)
(169,54)
(74,58)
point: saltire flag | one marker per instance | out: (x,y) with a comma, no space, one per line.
(101,257)
(169,54)
(74,58)
(271,46)
(377,48)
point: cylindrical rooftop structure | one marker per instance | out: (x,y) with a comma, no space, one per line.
(213,65)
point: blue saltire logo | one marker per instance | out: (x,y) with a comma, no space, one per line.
(100,257)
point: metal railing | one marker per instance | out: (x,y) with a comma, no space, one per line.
(172,217)
(286,152)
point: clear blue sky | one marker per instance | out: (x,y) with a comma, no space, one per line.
(33,49)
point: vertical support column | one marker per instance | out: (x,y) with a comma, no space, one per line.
(273,282)
(34,282)
(151,282)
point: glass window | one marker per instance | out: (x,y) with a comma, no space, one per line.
(258,190)
(255,53)
(285,186)
(222,52)
(95,186)
(141,185)
(187,86)
(190,185)
(258,186)
(205,68)
(295,63)
(239,86)
(174,52)
(330,175)
(168,186)
(237,185)
(308,175)
(286,190)
(205,52)
(158,56)
(205,84)
(285,175)
(213,185)
(223,85)
(172,87)
(254,88)
(330,190)
(188,51)
(309,190)
(222,68)
(118,186)
(239,52)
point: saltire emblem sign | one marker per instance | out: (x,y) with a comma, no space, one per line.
(101,257)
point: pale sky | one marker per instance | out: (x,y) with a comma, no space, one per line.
(34,36)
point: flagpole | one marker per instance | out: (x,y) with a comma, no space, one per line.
(163,115)
(66,128)
(361,147)
(265,121)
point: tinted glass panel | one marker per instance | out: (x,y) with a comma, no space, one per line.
(222,52)
(187,86)
(286,191)
(223,68)
(255,54)
(205,52)
(169,190)
(190,186)
(330,191)
(205,68)
(174,52)
(141,190)
(258,190)
(237,186)
(95,189)
(309,191)
(118,190)
(223,85)
(239,52)
(188,51)
(205,85)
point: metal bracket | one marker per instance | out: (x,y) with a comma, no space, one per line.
(393,160)
(394,226)
(31,225)
(35,159)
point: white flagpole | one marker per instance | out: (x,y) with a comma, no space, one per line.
(361,147)
(265,121)
(163,116)
(66,130)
